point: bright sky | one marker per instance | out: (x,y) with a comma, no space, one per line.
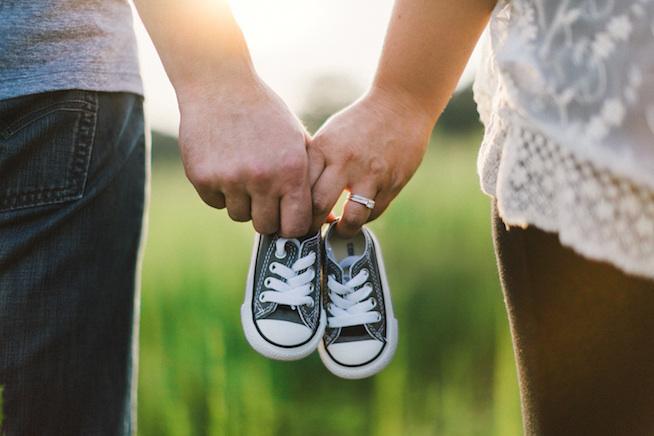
(292,42)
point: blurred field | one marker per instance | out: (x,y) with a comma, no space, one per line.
(453,373)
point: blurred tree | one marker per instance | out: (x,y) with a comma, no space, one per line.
(460,115)
(326,95)
(164,147)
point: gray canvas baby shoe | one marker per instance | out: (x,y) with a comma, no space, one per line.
(361,334)
(282,314)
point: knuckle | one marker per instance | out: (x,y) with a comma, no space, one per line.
(258,173)
(378,167)
(202,177)
(264,228)
(229,176)
(348,155)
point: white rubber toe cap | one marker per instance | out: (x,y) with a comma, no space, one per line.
(356,352)
(284,333)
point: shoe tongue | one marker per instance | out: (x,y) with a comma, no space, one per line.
(307,236)
(346,265)
(298,245)
(300,242)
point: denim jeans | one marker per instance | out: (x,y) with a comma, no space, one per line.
(73,171)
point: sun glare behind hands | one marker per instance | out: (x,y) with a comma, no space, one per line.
(292,42)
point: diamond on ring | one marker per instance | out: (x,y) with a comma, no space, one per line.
(367,202)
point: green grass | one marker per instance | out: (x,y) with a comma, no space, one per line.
(453,373)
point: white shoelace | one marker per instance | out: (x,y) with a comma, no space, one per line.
(351,306)
(297,286)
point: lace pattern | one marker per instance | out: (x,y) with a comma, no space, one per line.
(565,93)
(538,182)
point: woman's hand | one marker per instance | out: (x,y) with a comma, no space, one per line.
(371,148)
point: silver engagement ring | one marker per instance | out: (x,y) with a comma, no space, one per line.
(367,202)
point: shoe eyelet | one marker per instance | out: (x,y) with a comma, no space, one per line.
(311,287)
(379,317)
(373,300)
(280,256)
(272,267)
(262,298)
(267,282)
(366,272)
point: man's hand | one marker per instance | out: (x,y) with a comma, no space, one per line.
(371,148)
(243,149)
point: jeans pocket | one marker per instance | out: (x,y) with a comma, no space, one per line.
(45,147)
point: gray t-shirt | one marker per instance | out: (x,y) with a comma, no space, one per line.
(49,45)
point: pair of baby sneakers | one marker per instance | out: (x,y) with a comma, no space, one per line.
(295,303)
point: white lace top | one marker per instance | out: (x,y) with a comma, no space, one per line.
(566,93)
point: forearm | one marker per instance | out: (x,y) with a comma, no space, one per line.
(426,49)
(241,146)
(198,41)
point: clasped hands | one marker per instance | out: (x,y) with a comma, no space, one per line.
(244,150)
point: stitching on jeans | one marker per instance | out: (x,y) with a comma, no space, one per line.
(30,118)
(78,166)
(82,159)
(50,192)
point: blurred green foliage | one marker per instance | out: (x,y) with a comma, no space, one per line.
(460,115)
(453,373)
(330,93)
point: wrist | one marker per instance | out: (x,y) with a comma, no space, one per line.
(229,77)
(403,103)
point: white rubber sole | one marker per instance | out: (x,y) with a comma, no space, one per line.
(258,342)
(388,352)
